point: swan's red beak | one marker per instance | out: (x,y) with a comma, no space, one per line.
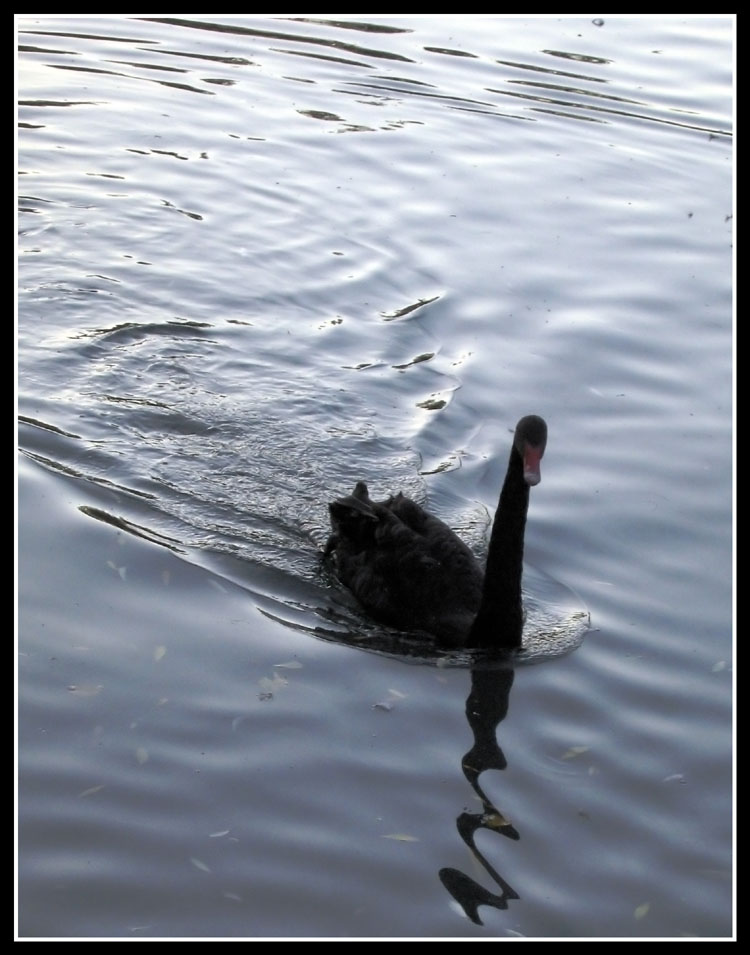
(532,462)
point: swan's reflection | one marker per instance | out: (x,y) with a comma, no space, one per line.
(486,707)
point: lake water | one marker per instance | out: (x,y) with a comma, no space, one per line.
(261,258)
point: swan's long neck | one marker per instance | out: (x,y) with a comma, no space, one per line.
(499,621)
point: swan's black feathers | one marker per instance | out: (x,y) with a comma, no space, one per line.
(409,569)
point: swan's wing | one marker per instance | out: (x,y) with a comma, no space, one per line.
(404,565)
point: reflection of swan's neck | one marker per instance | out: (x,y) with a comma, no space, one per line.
(499,621)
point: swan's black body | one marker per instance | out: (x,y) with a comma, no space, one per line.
(410,571)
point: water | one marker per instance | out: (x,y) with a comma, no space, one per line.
(262,258)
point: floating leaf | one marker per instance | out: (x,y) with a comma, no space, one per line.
(269,684)
(401,837)
(432,404)
(85,690)
(90,792)
(574,751)
(642,910)
(389,316)
(141,755)
(122,571)
(199,865)
(159,653)
(494,820)
(415,361)
(387,705)
(674,778)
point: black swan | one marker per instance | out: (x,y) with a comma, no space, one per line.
(410,571)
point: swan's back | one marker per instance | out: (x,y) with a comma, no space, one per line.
(405,566)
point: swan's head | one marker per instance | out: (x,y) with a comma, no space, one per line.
(530,441)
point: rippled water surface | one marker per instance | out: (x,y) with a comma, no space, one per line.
(261,258)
